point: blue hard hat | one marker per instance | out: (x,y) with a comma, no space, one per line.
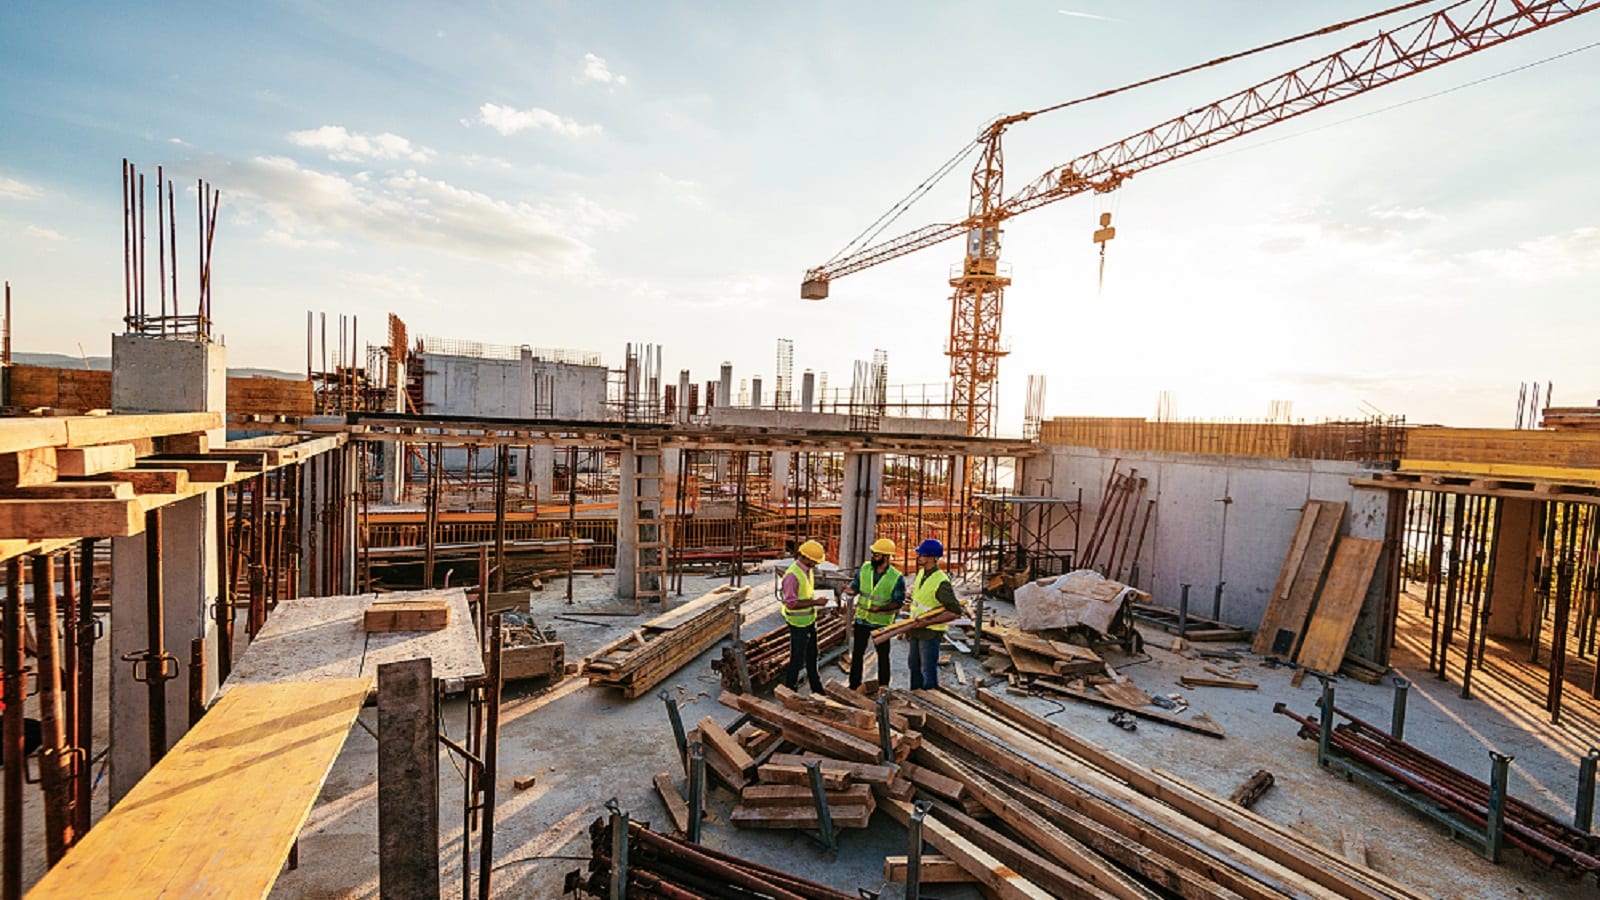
(930,547)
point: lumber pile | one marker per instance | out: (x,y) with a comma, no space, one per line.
(768,655)
(1063,817)
(662,866)
(765,761)
(646,656)
(1571,418)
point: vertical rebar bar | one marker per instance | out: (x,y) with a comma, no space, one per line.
(490,755)
(88,632)
(15,691)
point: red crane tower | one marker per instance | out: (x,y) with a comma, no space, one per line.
(979,285)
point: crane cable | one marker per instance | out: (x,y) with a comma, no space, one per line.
(1328,29)
(898,209)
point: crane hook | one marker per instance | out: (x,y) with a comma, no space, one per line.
(1101,236)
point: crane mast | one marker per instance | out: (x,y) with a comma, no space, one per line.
(977,301)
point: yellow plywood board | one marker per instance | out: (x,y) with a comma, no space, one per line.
(217,816)
(1506,471)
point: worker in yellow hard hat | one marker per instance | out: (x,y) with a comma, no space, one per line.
(799,609)
(879,590)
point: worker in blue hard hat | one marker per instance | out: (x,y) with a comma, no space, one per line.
(799,608)
(930,592)
(879,589)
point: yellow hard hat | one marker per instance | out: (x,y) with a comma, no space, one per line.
(883,546)
(813,551)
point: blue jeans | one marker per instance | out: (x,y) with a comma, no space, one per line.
(924,659)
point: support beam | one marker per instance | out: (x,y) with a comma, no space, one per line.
(408,782)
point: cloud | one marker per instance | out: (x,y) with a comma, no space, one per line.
(348,146)
(46,234)
(595,69)
(278,236)
(1547,256)
(1084,15)
(1405,214)
(402,284)
(412,210)
(683,190)
(12,189)
(508,121)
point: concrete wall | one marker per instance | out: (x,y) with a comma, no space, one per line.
(1226,519)
(512,389)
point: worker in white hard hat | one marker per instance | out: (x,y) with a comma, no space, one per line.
(879,590)
(799,609)
(929,594)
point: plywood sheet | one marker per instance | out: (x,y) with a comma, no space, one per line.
(1328,633)
(217,816)
(1290,604)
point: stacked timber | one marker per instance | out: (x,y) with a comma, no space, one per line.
(1571,418)
(1063,817)
(662,866)
(767,656)
(650,653)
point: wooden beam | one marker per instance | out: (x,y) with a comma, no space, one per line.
(87,431)
(44,519)
(989,871)
(26,468)
(677,807)
(153,481)
(936,869)
(71,490)
(207,471)
(95,460)
(408,780)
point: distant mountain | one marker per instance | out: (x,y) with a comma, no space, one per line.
(103,363)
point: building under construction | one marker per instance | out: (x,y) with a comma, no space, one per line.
(445,616)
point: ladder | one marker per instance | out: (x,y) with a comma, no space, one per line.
(650,545)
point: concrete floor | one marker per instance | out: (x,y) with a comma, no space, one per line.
(588,745)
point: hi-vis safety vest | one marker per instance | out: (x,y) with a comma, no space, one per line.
(800,618)
(880,592)
(925,596)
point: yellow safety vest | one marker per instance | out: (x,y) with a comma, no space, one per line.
(882,591)
(799,618)
(925,596)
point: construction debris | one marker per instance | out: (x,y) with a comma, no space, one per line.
(530,651)
(1248,793)
(653,651)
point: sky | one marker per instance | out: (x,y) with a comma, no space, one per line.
(585,174)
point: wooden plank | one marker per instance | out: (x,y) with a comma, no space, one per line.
(152,481)
(25,468)
(1286,574)
(204,471)
(1281,637)
(798,816)
(720,742)
(1271,840)
(28,433)
(237,787)
(866,773)
(941,786)
(800,795)
(801,730)
(1339,605)
(935,869)
(72,490)
(677,807)
(1192,681)
(94,460)
(406,615)
(87,431)
(989,871)
(772,773)
(44,519)
(408,780)
(1198,723)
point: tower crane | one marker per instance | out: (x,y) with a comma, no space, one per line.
(975,348)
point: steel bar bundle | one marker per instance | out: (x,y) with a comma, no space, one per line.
(1534,832)
(767,656)
(650,653)
(658,866)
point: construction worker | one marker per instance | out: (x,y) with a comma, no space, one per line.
(799,608)
(929,593)
(879,589)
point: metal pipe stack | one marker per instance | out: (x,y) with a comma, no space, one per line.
(658,866)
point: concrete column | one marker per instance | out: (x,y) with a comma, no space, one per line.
(755,392)
(627,523)
(309,512)
(351,519)
(808,391)
(392,455)
(542,458)
(863,485)
(725,385)
(1513,605)
(682,412)
(778,489)
(154,375)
